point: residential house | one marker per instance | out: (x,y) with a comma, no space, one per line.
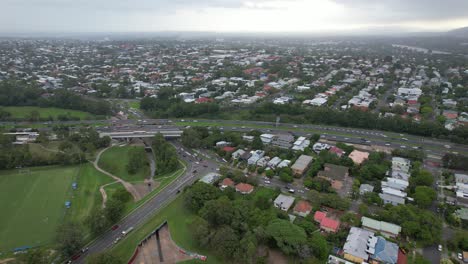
(337,151)
(236,154)
(317,147)
(284,164)
(302,208)
(335,174)
(301,144)
(248,138)
(383,251)
(283,141)
(391,199)
(394,183)
(255,156)
(221,144)
(244,188)
(227,182)
(358,157)
(301,165)
(210,178)
(356,246)
(388,230)
(267,138)
(263,161)
(365,188)
(274,162)
(336,260)
(401,164)
(326,224)
(283,202)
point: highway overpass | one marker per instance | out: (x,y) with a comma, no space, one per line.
(141,134)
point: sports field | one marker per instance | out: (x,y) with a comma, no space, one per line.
(115,160)
(32,204)
(23,112)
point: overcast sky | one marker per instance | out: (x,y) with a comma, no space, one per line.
(317,16)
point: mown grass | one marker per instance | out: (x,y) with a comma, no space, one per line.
(32,204)
(115,160)
(24,112)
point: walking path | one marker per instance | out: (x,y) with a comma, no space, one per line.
(128,186)
(104,194)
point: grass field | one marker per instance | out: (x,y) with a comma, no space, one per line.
(179,220)
(87,195)
(115,160)
(134,104)
(23,112)
(32,204)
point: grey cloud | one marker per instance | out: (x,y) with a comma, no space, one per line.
(406,10)
(126,5)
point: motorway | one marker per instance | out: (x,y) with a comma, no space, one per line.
(434,148)
(195,169)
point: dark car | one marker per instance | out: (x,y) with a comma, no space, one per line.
(115,227)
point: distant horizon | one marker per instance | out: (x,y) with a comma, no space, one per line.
(366,32)
(302,16)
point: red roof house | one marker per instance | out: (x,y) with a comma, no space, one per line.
(203,100)
(326,224)
(302,208)
(229,149)
(244,188)
(227,182)
(339,152)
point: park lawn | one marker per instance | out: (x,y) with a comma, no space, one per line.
(179,220)
(115,160)
(32,204)
(87,195)
(134,104)
(23,112)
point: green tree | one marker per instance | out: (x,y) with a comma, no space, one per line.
(423,196)
(191,138)
(36,256)
(218,212)
(114,210)
(286,177)
(319,246)
(288,237)
(197,195)
(257,143)
(96,221)
(69,238)
(136,159)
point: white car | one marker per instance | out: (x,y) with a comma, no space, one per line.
(460,256)
(267,182)
(439,248)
